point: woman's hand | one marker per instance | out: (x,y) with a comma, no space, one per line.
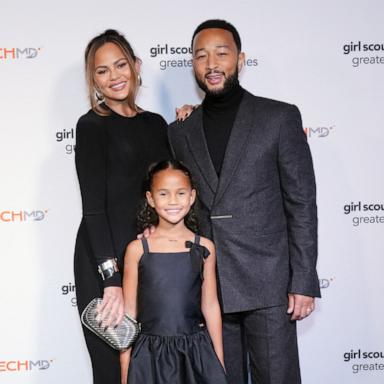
(185,111)
(111,309)
(146,233)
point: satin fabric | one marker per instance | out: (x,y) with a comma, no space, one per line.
(174,346)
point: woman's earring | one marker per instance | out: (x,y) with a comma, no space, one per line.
(99,96)
(139,80)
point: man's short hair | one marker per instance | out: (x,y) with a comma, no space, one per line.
(220,24)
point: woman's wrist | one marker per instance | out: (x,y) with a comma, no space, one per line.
(113,281)
(109,272)
(108,268)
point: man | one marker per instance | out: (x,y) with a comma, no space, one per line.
(254,173)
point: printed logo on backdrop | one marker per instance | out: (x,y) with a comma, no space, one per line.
(19,53)
(363,53)
(66,139)
(364,361)
(25,365)
(69,291)
(319,132)
(326,283)
(363,213)
(23,216)
(170,56)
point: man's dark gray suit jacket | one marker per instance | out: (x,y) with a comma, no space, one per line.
(261,213)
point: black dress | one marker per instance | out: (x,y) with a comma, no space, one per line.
(174,346)
(112,155)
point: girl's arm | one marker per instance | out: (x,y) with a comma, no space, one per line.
(131,266)
(125,358)
(209,302)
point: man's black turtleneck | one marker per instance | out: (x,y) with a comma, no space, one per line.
(219,113)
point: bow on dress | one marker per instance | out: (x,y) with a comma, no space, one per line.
(198,254)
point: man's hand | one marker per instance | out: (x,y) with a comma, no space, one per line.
(185,111)
(300,306)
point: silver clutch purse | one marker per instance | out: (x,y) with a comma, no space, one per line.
(121,337)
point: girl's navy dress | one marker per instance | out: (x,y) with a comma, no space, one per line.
(174,346)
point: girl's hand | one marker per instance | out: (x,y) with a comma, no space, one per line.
(185,111)
(111,309)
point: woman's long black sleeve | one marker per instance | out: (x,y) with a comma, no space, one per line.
(91,166)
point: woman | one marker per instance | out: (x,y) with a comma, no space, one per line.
(115,143)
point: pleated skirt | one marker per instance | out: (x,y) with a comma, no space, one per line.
(188,359)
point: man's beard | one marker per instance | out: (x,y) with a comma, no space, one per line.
(230,82)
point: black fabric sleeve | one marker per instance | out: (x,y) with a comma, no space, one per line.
(90,158)
(163,146)
(172,151)
(299,194)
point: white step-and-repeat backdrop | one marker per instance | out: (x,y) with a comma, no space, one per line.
(326,57)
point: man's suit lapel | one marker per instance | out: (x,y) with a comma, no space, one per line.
(198,146)
(236,144)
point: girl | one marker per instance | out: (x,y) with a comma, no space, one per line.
(170,286)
